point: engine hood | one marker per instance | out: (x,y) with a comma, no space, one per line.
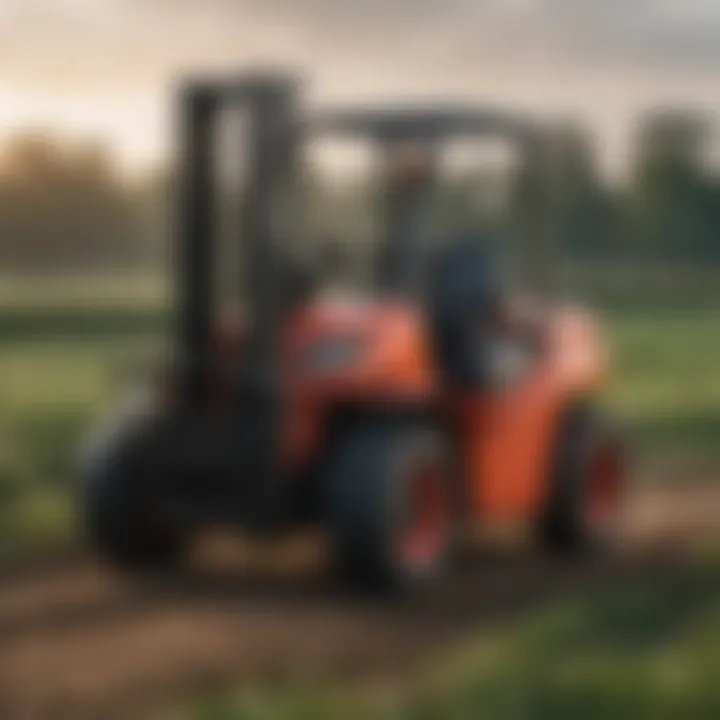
(387,342)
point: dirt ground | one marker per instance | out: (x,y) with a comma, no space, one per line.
(80,642)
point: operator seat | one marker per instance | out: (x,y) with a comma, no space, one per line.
(469,292)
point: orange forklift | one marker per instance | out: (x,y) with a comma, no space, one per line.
(392,420)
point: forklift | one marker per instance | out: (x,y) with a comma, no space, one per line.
(391,421)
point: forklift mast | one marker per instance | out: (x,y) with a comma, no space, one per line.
(269,104)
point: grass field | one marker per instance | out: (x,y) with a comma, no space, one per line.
(646,651)
(666,385)
(70,351)
(50,394)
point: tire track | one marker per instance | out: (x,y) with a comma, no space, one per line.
(85,644)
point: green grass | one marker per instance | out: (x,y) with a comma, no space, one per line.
(666,385)
(79,323)
(645,651)
(50,395)
(82,308)
(69,350)
(71,291)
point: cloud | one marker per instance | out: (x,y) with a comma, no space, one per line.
(682,33)
(87,40)
(111,60)
(676,34)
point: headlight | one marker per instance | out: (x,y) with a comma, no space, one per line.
(332,354)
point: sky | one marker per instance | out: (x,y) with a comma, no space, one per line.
(106,68)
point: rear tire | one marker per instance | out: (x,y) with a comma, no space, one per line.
(587,485)
(122,520)
(389,505)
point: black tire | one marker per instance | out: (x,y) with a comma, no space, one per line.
(369,505)
(586,437)
(122,520)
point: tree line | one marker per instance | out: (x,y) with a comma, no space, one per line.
(66,207)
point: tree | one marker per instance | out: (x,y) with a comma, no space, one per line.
(674,200)
(63,205)
(582,210)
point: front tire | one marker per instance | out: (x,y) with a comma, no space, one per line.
(587,485)
(389,505)
(123,522)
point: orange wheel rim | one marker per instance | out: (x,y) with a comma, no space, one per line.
(424,532)
(604,492)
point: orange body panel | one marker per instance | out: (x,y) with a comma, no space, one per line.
(507,434)
(391,361)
